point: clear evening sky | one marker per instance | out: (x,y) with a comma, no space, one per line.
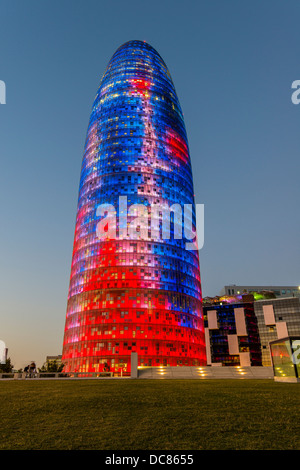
(232,63)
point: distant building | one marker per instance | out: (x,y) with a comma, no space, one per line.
(279,291)
(3,352)
(54,358)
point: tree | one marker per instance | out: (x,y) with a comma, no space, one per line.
(51,366)
(7,367)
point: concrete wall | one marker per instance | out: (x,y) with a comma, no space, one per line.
(205,373)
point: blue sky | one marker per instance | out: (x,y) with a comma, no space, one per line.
(232,64)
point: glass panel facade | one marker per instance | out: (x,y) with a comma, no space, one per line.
(286,310)
(227,326)
(127,295)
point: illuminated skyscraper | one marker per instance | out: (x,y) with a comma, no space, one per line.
(134,294)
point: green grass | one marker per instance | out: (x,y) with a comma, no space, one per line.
(149,414)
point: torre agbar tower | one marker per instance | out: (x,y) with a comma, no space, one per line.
(134,293)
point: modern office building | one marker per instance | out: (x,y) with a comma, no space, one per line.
(239,328)
(56,359)
(132,290)
(279,291)
(231,334)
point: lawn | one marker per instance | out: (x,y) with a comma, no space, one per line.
(149,414)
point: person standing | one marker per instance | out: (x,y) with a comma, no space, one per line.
(32,370)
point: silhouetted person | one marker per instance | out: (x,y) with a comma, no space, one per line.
(32,369)
(26,370)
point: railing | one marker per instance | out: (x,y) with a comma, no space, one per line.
(57,375)
(7,375)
